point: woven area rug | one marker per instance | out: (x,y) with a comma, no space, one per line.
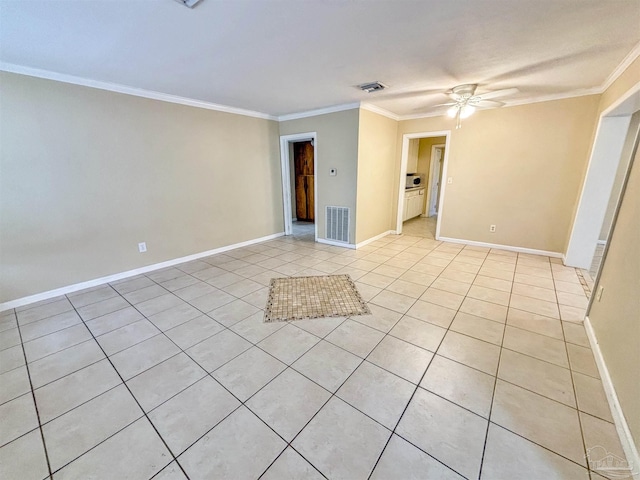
(298,298)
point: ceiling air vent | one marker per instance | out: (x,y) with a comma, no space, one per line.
(372,87)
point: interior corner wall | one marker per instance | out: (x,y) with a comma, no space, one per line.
(519,168)
(376,167)
(336,147)
(614,317)
(86,174)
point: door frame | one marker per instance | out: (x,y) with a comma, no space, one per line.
(432,177)
(606,152)
(403,173)
(285,142)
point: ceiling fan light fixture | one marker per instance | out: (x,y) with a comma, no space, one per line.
(466,111)
(452,111)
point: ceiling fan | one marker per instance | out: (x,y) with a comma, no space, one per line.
(465,101)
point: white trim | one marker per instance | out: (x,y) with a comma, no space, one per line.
(404,158)
(129,273)
(285,140)
(510,248)
(601,242)
(335,244)
(624,64)
(319,111)
(373,239)
(127,90)
(433,172)
(380,111)
(626,439)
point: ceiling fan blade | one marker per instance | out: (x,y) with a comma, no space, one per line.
(444,104)
(488,104)
(497,93)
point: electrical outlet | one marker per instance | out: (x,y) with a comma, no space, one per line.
(333,172)
(600,291)
(492,228)
(142,247)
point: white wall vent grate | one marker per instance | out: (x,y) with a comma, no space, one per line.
(337,224)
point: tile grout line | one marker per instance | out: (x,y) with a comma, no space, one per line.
(35,403)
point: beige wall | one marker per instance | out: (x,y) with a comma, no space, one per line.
(376,167)
(616,317)
(337,146)
(519,168)
(86,174)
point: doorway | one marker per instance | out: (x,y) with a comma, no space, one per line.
(298,158)
(424,154)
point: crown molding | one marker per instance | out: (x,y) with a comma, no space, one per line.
(619,70)
(127,90)
(380,111)
(319,111)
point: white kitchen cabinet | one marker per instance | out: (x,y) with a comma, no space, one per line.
(413,203)
(412,159)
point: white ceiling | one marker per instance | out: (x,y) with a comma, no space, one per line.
(286,56)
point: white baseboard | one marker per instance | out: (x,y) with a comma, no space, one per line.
(130,273)
(373,239)
(335,244)
(531,251)
(628,445)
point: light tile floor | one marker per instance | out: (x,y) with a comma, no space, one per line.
(421,227)
(473,364)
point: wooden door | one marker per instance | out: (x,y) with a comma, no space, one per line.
(304,175)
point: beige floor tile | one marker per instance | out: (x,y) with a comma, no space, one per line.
(57,365)
(143,294)
(534,271)
(135,452)
(401,358)
(591,396)
(321,327)
(478,327)
(470,351)
(144,355)
(355,338)
(535,345)
(165,274)
(339,428)
(68,392)
(159,383)
(46,310)
(494,283)
(510,456)
(194,331)
(257,298)
(489,295)
(539,419)
(496,273)
(240,446)
(542,282)
(175,316)
(465,386)
(575,333)
(381,318)
(184,418)
(540,293)
(572,314)
(11,358)
(233,312)
(532,322)
(569,287)
(432,313)
(41,328)
(582,361)
(17,417)
(70,435)
(407,288)
(600,439)
(24,458)
(327,365)
(401,460)
(182,282)
(127,336)
(499,265)
(377,393)
(14,383)
(291,465)
(288,402)
(541,307)
(218,349)
(446,431)
(113,321)
(488,310)
(248,372)
(213,301)
(393,301)
(129,285)
(451,286)
(289,343)
(442,298)
(538,376)
(417,332)
(55,342)
(572,300)
(463,267)
(80,299)
(158,304)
